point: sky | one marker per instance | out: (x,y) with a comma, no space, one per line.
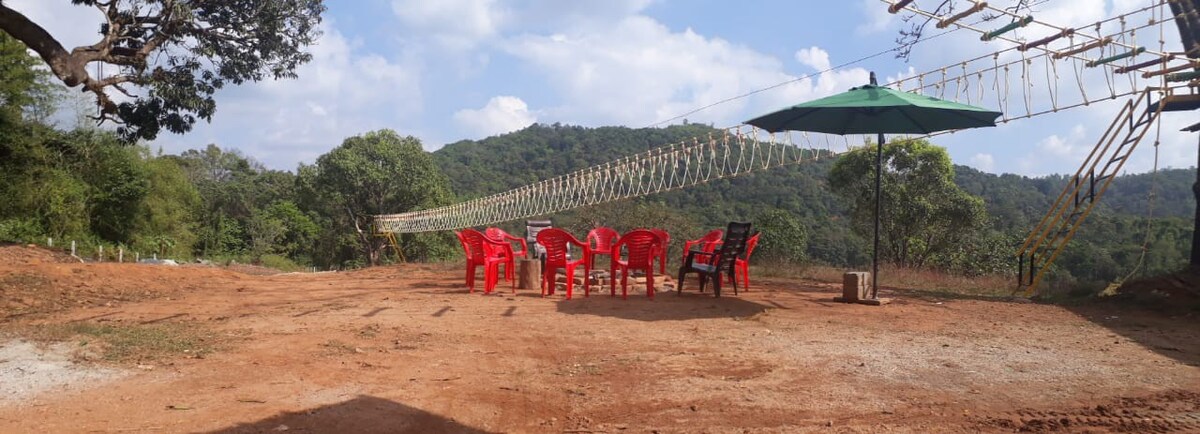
(450,70)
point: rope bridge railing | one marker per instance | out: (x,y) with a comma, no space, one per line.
(736,151)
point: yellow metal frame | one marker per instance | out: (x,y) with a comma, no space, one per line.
(391,239)
(1055,220)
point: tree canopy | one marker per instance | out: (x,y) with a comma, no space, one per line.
(924,212)
(171,56)
(379,172)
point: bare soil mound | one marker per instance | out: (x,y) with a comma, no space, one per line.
(1177,290)
(36,281)
(12,254)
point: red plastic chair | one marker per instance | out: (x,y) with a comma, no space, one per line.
(707,243)
(557,242)
(470,259)
(662,249)
(490,254)
(742,264)
(497,234)
(640,246)
(600,241)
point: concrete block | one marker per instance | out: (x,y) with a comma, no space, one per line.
(856,285)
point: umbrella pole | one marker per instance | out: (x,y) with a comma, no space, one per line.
(875,252)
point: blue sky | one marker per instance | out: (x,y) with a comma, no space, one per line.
(449,70)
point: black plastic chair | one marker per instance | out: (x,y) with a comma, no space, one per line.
(532,227)
(712,265)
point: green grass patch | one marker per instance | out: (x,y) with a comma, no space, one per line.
(121,343)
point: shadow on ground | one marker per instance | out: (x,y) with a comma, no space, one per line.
(1170,333)
(365,414)
(666,306)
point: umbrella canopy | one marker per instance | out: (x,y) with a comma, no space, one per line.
(871,109)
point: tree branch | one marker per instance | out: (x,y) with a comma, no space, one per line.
(61,63)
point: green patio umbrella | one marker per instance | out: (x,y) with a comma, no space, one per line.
(872,109)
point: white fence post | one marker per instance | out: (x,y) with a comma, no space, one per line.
(137,257)
(72,247)
(120,254)
(49,242)
(101,251)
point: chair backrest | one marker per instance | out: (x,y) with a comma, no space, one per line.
(639,245)
(463,242)
(497,234)
(602,238)
(662,235)
(532,227)
(737,234)
(557,243)
(751,244)
(481,246)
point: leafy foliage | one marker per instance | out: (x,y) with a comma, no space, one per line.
(177,53)
(379,172)
(923,212)
(782,237)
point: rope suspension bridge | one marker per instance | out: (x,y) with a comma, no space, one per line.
(1066,68)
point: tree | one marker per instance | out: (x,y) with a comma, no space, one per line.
(379,172)
(783,238)
(170,209)
(25,89)
(176,53)
(924,213)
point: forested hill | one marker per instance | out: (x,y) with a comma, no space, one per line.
(1107,246)
(496,164)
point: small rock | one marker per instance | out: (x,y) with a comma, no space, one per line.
(282,428)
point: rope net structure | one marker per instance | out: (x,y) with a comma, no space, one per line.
(1072,67)
(1092,63)
(736,151)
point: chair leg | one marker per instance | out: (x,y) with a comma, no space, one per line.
(703,280)
(717,286)
(587,280)
(543,279)
(471,279)
(679,282)
(731,277)
(570,273)
(746,277)
(612,282)
(625,284)
(650,281)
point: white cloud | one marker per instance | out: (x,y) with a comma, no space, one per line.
(813,57)
(455,24)
(984,162)
(502,114)
(342,92)
(637,71)
(877,19)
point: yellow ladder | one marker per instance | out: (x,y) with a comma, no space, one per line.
(1079,197)
(391,239)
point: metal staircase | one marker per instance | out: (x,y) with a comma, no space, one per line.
(1079,197)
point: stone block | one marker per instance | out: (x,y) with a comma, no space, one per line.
(856,285)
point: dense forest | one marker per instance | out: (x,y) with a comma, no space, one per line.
(85,184)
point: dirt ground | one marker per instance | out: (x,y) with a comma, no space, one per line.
(408,349)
